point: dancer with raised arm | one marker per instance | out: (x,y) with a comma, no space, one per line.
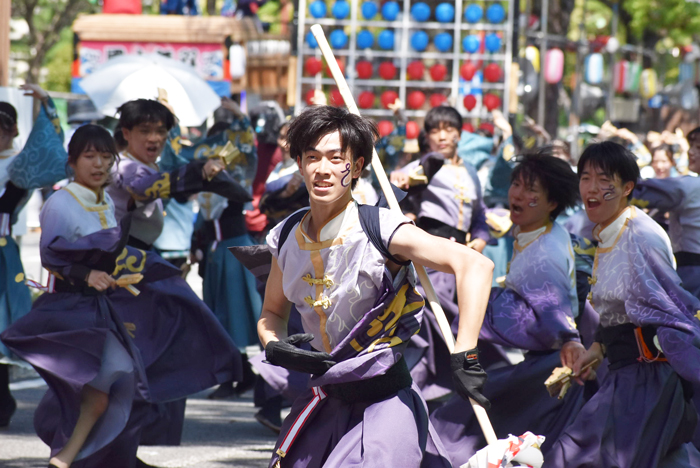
(347,269)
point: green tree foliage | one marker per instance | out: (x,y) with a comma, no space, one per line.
(46,20)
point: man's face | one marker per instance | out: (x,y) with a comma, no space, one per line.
(146,140)
(530,207)
(444,139)
(603,195)
(328,173)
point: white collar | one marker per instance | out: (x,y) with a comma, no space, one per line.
(525,238)
(128,155)
(607,236)
(84,194)
(333,227)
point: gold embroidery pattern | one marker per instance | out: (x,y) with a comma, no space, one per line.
(324,302)
(639,203)
(325,281)
(160,188)
(129,262)
(130,329)
(388,320)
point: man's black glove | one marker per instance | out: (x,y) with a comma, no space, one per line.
(286,353)
(468,376)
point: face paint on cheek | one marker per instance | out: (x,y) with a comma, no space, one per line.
(344,182)
(609,193)
(534,201)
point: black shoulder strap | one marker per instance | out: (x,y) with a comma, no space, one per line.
(369,220)
(288,226)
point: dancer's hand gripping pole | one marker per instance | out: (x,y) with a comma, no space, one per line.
(318,33)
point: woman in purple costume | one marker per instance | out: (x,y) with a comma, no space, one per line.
(346,267)
(72,336)
(535,312)
(642,415)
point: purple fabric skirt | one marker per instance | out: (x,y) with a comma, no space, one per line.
(184,348)
(519,403)
(64,337)
(427,355)
(631,422)
(394,432)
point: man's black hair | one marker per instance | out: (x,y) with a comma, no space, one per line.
(357,134)
(446,115)
(218,127)
(613,160)
(693,135)
(141,111)
(8,116)
(554,175)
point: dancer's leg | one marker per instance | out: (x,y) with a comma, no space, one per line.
(7,403)
(94,404)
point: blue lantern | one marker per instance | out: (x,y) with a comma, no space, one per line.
(594,68)
(386,39)
(318,9)
(495,13)
(311,40)
(420,11)
(369,10)
(445,12)
(492,43)
(390,11)
(419,41)
(473,13)
(338,39)
(365,39)
(471,43)
(341,9)
(443,42)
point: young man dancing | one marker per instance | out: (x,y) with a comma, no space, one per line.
(347,269)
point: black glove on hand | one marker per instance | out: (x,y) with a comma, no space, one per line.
(285,353)
(468,376)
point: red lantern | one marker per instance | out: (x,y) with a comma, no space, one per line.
(385,127)
(467,70)
(438,72)
(415,70)
(491,101)
(341,65)
(364,69)
(492,72)
(487,127)
(388,98)
(416,99)
(387,70)
(313,65)
(437,99)
(412,130)
(310,97)
(337,98)
(467,127)
(469,102)
(366,99)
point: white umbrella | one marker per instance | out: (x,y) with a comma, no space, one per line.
(132,77)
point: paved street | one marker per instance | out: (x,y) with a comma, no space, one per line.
(216,434)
